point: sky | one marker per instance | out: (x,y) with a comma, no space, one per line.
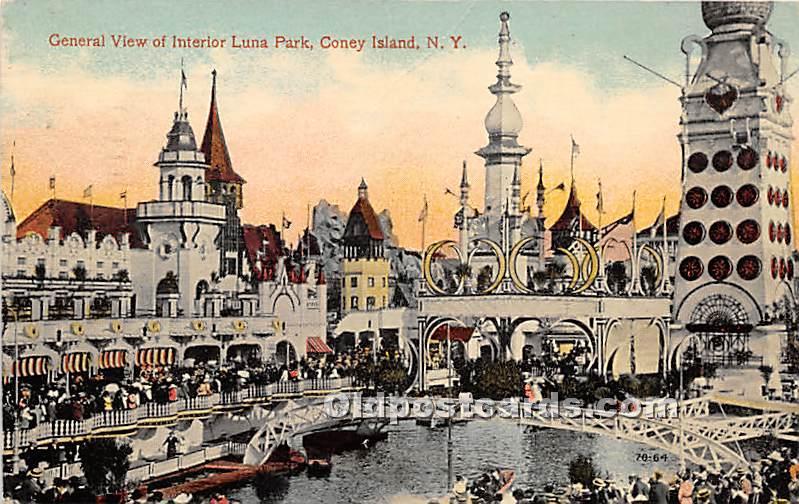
(304,125)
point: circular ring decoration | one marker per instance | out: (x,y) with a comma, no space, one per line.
(747,158)
(722,160)
(658,261)
(238,325)
(721,196)
(691,268)
(720,232)
(693,233)
(154,326)
(747,195)
(594,258)
(749,267)
(198,325)
(696,197)
(501,263)
(428,263)
(720,267)
(748,231)
(697,162)
(514,274)
(77,328)
(116,326)
(32,331)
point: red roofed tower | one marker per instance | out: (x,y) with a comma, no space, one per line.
(223,184)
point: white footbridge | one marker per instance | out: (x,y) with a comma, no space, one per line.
(697,430)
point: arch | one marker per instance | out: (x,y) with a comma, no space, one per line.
(186,183)
(201,289)
(168,284)
(279,299)
(520,338)
(683,310)
(285,353)
(203,352)
(170,187)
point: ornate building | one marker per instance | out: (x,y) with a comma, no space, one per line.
(365,268)
(734,260)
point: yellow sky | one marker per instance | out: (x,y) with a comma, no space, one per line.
(406,130)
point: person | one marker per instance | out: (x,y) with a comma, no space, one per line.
(172,444)
(460,489)
(639,491)
(219,499)
(658,490)
(686,489)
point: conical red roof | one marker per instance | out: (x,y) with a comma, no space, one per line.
(215,148)
(570,213)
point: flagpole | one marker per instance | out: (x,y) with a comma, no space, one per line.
(636,285)
(666,284)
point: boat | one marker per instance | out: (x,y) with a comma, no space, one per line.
(434,422)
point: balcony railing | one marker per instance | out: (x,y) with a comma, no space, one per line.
(151,414)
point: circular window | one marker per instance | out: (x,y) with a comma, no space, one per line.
(747,158)
(770,195)
(748,231)
(769,164)
(721,196)
(783,164)
(720,267)
(691,268)
(749,267)
(696,197)
(787,232)
(693,233)
(697,162)
(777,197)
(785,199)
(783,268)
(720,232)
(775,267)
(747,195)
(779,233)
(722,160)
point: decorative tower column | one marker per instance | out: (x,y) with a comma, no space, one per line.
(734,258)
(503,154)
(463,228)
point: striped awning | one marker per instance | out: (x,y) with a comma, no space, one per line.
(31,366)
(76,362)
(315,344)
(113,359)
(155,356)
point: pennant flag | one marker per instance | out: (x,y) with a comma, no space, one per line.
(52,182)
(600,203)
(286,223)
(575,147)
(123,194)
(87,193)
(423,214)
(183,80)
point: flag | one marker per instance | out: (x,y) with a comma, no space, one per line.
(661,218)
(285,223)
(87,193)
(575,148)
(52,182)
(123,195)
(183,80)
(559,187)
(423,214)
(600,202)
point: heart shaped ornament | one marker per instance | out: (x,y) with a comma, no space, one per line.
(721,97)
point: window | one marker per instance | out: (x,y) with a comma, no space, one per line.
(21,261)
(384,281)
(371,281)
(81,264)
(100,275)
(354,303)
(63,274)
(62,262)
(115,265)
(100,264)
(370,303)
(20,273)
(354,281)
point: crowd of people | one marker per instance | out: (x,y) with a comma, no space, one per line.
(774,478)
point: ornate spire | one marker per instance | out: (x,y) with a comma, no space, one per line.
(464,178)
(363,190)
(540,189)
(214,146)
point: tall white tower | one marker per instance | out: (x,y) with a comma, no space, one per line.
(503,154)
(734,257)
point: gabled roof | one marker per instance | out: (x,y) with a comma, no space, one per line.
(215,148)
(363,221)
(568,219)
(75,217)
(672,227)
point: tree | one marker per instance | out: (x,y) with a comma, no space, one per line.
(105,464)
(617,277)
(122,276)
(80,272)
(494,380)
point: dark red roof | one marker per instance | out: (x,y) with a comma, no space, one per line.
(215,148)
(672,227)
(567,219)
(75,217)
(263,246)
(363,221)
(456,333)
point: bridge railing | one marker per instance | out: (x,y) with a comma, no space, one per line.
(154,412)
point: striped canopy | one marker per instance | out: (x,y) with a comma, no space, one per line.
(76,362)
(113,359)
(30,366)
(316,345)
(155,356)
